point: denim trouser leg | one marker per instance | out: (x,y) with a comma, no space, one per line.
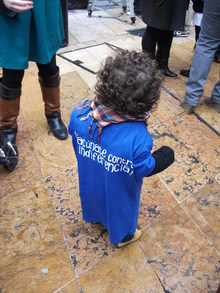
(206,46)
(216,91)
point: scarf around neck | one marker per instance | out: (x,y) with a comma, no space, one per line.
(103,116)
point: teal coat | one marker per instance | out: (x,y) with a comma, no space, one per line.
(33,35)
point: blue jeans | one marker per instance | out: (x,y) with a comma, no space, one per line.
(206,46)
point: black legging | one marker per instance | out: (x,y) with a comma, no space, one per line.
(156,37)
(13,78)
(197,31)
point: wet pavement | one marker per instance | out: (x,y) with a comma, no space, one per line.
(46,246)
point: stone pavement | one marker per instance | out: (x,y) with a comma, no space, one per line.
(45,245)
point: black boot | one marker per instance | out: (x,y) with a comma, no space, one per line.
(185,72)
(162,63)
(9,111)
(56,125)
(50,87)
(163,53)
(8,148)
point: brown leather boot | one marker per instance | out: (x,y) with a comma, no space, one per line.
(9,111)
(50,87)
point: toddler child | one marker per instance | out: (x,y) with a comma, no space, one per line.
(113,146)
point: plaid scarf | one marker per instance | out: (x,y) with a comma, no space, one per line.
(104,116)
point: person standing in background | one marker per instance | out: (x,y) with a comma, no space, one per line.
(162,18)
(197,19)
(30,31)
(206,47)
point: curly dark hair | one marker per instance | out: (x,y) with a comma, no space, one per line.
(129,83)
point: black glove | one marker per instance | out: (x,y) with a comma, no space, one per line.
(164,157)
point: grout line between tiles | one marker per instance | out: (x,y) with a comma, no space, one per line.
(57,290)
(195,114)
(64,238)
(187,213)
(33,143)
(168,188)
(166,291)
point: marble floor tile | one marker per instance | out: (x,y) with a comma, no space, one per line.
(183,52)
(176,63)
(202,142)
(153,120)
(89,61)
(89,79)
(208,115)
(65,66)
(81,33)
(168,107)
(101,52)
(71,40)
(189,39)
(187,174)
(214,73)
(34,257)
(180,255)
(28,169)
(100,30)
(126,270)
(186,43)
(134,42)
(72,19)
(81,54)
(204,208)
(175,87)
(49,149)
(156,201)
(71,287)
(87,243)
(90,27)
(117,28)
(125,42)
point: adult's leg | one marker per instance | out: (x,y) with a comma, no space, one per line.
(149,41)
(217,55)
(48,70)
(206,47)
(214,101)
(49,79)
(163,52)
(185,72)
(10,92)
(197,31)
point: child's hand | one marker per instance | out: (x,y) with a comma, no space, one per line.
(18,5)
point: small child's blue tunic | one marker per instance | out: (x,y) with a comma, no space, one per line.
(33,35)
(111,172)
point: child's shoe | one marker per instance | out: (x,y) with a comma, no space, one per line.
(136,236)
